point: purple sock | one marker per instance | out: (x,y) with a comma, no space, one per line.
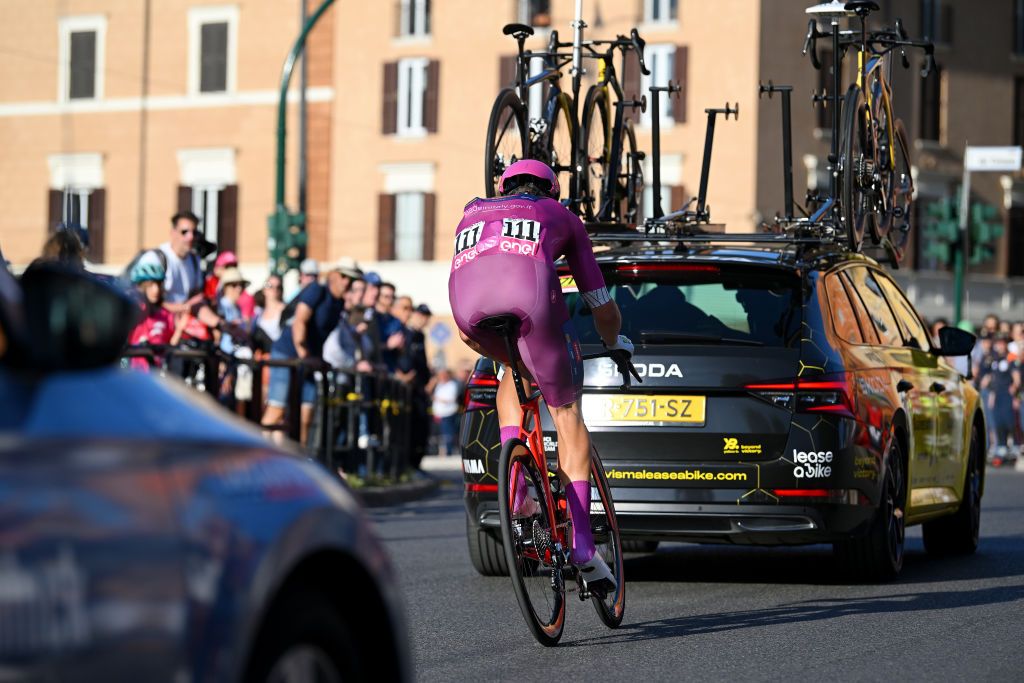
(508,433)
(577,494)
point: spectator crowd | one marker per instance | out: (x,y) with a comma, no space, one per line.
(342,320)
(996,365)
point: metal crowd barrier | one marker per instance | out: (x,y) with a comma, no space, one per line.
(349,404)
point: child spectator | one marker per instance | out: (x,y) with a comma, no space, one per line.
(157,326)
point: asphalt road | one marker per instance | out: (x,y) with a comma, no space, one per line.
(723,613)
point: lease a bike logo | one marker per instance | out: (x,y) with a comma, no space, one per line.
(812,464)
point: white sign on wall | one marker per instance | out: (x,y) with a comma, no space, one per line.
(992,158)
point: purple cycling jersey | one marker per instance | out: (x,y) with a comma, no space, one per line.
(505,250)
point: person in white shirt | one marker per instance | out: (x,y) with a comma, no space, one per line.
(446,410)
(183,285)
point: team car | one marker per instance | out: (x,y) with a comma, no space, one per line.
(791,395)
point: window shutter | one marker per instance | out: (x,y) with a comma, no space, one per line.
(213,67)
(677,197)
(184,198)
(83,65)
(389,112)
(386,227)
(506,71)
(56,210)
(97,223)
(227,219)
(429,204)
(431,96)
(631,77)
(680,74)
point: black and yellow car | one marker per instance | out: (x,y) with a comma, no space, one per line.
(790,395)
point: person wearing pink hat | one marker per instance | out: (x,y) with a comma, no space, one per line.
(225,260)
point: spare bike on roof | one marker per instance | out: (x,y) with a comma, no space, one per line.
(870,186)
(597,159)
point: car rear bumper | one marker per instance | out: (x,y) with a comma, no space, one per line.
(717,522)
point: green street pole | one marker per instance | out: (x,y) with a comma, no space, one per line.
(962,246)
(281,219)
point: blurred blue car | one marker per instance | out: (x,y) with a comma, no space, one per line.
(146,535)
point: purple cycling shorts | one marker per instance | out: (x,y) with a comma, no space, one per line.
(502,284)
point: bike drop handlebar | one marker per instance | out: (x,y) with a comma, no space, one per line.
(622,362)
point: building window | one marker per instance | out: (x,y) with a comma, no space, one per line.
(406,215)
(658,11)
(937,21)
(410,103)
(1018,27)
(83,207)
(208,189)
(412,87)
(534,12)
(660,60)
(931,106)
(414,18)
(82,44)
(213,39)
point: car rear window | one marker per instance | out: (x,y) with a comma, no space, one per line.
(670,304)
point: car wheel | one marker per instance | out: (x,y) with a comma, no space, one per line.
(958,534)
(485,551)
(633,545)
(305,639)
(878,555)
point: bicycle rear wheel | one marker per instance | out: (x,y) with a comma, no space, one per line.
(506,138)
(528,545)
(595,148)
(605,528)
(858,195)
(558,140)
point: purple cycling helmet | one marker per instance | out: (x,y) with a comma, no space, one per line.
(535,169)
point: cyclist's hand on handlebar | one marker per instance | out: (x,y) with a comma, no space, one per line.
(621,352)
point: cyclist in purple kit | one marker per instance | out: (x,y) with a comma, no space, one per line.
(505,250)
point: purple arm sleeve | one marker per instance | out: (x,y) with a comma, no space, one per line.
(580,256)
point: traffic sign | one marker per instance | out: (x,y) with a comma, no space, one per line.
(439,333)
(992,158)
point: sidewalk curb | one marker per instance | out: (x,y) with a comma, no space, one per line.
(381,496)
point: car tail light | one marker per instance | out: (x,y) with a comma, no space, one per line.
(481,390)
(824,395)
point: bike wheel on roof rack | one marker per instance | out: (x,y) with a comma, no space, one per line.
(857,164)
(506,138)
(595,150)
(560,130)
(899,189)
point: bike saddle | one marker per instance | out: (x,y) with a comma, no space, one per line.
(502,324)
(517,29)
(836,8)
(862,7)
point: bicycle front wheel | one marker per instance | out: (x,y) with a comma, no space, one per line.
(595,145)
(631,178)
(605,528)
(506,138)
(858,193)
(529,546)
(900,192)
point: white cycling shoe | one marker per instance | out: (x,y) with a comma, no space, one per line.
(596,575)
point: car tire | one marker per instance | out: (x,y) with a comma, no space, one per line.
(634,545)
(958,534)
(878,555)
(305,632)
(485,551)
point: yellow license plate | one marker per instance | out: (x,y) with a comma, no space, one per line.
(609,409)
